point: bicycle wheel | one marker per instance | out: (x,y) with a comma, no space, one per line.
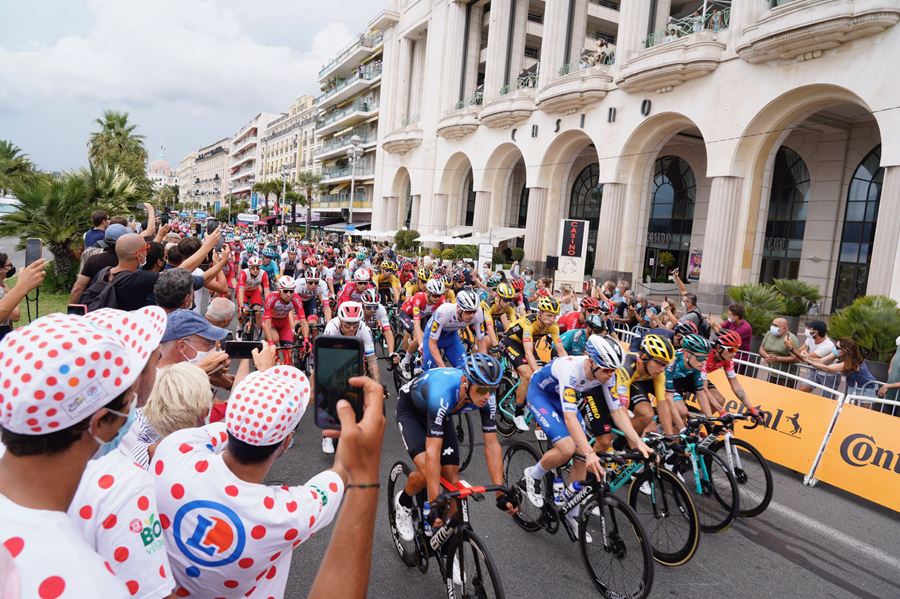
(412,552)
(506,396)
(478,576)
(380,346)
(717,500)
(618,558)
(751,471)
(399,381)
(668,515)
(516,459)
(465,434)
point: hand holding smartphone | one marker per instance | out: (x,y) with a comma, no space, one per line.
(337,360)
(33,249)
(242,350)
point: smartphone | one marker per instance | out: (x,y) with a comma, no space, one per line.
(34,248)
(337,360)
(164,220)
(211,225)
(140,206)
(242,350)
(77,309)
(197,229)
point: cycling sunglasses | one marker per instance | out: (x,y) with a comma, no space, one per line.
(660,363)
(590,310)
(484,390)
(435,295)
(288,291)
(370,306)
(470,311)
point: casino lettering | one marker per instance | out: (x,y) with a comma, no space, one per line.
(860,450)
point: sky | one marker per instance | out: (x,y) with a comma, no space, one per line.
(188,72)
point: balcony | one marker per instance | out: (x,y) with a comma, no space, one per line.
(339,144)
(804,29)
(349,87)
(579,84)
(514,104)
(244,143)
(340,174)
(345,117)
(351,54)
(334,202)
(242,160)
(402,140)
(462,120)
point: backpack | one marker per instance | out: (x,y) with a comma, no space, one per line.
(102,293)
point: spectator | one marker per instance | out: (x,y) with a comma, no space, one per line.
(7,270)
(174,290)
(218,284)
(697,22)
(715,21)
(191,338)
(100,220)
(643,311)
(530,284)
(30,279)
(817,346)
(846,359)
(49,550)
(220,312)
(889,390)
(121,220)
(625,310)
(102,259)
(775,350)
(567,302)
(156,257)
(735,322)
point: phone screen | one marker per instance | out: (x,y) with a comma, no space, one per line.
(334,367)
(33,251)
(77,309)
(241,350)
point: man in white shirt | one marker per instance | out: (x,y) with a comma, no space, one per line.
(817,346)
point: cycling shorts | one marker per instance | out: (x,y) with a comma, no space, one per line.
(386,296)
(412,431)
(515,351)
(407,321)
(595,412)
(680,387)
(253,298)
(311,308)
(453,350)
(547,411)
(283,327)
(641,392)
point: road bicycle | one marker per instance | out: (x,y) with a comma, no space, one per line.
(251,330)
(476,574)
(614,545)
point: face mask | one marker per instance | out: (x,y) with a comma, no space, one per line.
(527,278)
(638,306)
(200,354)
(108,446)
(682,304)
(775,330)
(11,273)
(141,263)
(897,341)
(810,333)
(836,352)
(731,319)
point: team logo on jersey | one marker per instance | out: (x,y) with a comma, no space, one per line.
(569,395)
(209,533)
(622,390)
(150,531)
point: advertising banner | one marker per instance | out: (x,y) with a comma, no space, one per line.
(246,217)
(254,198)
(572,252)
(217,206)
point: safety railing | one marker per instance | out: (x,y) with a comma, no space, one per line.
(365,74)
(412,120)
(712,21)
(339,141)
(357,106)
(587,61)
(605,4)
(473,100)
(365,41)
(521,83)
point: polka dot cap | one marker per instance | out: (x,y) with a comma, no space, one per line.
(140,330)
(266,406)
(60,369)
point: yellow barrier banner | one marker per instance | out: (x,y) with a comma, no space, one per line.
(795,422)
(863,456)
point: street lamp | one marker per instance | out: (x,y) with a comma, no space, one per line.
(230,190)
(285,171)
(353,156)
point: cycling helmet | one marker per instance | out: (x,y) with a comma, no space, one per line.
(362,275)
(603,307)
(447,279)
(423,274)
(369,297)
(350,312)
(287,283)
(518,284)
(467,300)
(304,242)
(483,370)
(311,275)
(408,265)
(458,277)
(548,304)
(685,327)
(435,286)
(658,347)
(725,338)
(505,291)
(254,261)
(590,302)
(493,282)
(605,352)
(695,344)
(360,256)
(292,249)
(389,265)
(269,253)
(311,261)
(595,322)
(438,271)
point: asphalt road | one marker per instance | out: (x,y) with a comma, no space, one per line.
(7,245)
(811,543)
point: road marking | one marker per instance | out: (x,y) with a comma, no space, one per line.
(838,537)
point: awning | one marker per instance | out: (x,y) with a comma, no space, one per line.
(342,227)
(337,189)
(497,235)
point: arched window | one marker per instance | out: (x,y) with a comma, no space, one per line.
(470,204)
(407,221)
(584,204)
(671,215)
(786,224)
(858,233)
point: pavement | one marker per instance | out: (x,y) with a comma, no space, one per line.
(7,246)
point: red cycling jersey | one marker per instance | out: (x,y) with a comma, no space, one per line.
(418,306)
(571,322)
(276,309)
(405,277)
(350,293)
(711,365)
(250,283)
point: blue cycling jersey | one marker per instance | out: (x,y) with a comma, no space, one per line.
(574,341)
(272,270)
(435,394)
(688,379)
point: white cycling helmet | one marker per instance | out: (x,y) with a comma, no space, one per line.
(435,286)
(254,261)
(287,283)
(350,312)
(362,275)
(606,352)
(466,300)
(370,296)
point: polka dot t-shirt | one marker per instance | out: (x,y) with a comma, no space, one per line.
(53,559)
(115,509)
(226,537)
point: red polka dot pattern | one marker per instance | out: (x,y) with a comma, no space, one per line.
(120,554)
(51,588)
(231,490)
(133,586)
(14,545)
(258,532)
(143,503)
(266,406)
(177,491)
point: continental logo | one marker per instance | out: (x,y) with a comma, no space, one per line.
(778,421)
(860,450)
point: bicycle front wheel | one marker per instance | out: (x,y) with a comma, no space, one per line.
(474,574)
(669,517)
(412,552)
(517,458)
(466,437)
(751,471)
(506,396)
(617,557)
(717,499)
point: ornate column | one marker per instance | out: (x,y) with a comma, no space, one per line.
(553,45)
(607,254)
(403,82)
(498,42)
(439,212)
(721,243)
(536,224)
(884,271)
(482,221)
(391,222)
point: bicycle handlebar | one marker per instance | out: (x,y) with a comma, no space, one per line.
(444,498)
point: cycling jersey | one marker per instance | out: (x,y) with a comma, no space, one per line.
(379,318)
(272,269)
(292,268)
(528,330)
(446,320)
(574,341)
(711,365)
(628,375)
(305,293)
(353,265)
(493,312)
(336,278)
(450,295)
(410,289)
(277,309)
(350,294)
(417,306)
(681,378)
(572,321)
(385,282)
(248,282)
(333,329)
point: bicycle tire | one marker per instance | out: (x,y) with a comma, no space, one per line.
(624,539)
(718,502)
(399,381)
(753,501)
(465,434)
(505,425)
(380,346)
(681,513)
(529,517)
(478,572)
(409,551)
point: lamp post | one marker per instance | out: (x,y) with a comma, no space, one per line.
(353,156)
(285,171)
(230,190)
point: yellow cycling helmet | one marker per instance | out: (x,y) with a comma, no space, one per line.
(658,347)
(505,291)
(548,304)
(423,274)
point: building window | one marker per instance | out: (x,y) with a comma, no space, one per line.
(584,204)
(470,204)
(671,214)
(788,204)
(408,203)
(858,233)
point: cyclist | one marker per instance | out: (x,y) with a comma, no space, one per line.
(358,261)
(407,272)
(499,313)
(457,284)
(411,313)
(278,317)
(387,283)
(362,280)
(575,341)
(375,315)
(443,331)
(643,375)
(269,264)
(424,407)
(417,285)
(576,319)
(519,342)
(337,277)
(250,282)
(553,400)
(675,335)
(683,376)
(521,307)
(725,345)
(604,311)
(291,265)
(310,289)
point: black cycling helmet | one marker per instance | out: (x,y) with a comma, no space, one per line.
(483,370)
(596,322)
(685,327)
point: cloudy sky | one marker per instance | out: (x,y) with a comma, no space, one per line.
(189,72)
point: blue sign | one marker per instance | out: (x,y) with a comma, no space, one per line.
(350,227)
(201,215)
(184,214)
(217,206)
(253,200)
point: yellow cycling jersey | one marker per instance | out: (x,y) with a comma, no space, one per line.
(493,312)
(384,282)
(529,329)
(449,295)
(628,375)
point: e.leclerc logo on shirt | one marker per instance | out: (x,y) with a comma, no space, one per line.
(209,533)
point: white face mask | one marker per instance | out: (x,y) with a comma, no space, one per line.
(810,333)
(200,354)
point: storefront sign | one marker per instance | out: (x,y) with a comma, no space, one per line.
(574,235)
(246,217)
(659,238)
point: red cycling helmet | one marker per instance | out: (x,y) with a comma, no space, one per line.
(518,284)
(590,302)
(726,338)
(311,261)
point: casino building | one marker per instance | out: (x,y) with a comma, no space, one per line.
(741,141)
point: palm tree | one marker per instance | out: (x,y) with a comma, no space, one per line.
(15,167)
(295,198)
(310,182)
(106,187)
(116,139)
(265,188)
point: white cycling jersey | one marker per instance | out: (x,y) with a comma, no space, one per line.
(445,320)
(364,334)
(304,293)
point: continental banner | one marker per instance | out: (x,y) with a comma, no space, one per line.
(863,456)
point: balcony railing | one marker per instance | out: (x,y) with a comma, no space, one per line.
(599,35)
(357,106)
(365,41)
(713,21)
(532,52)
(336,172)
(589,60)
(777,3)
(339,141)
(474,100)
(535,18)
(412,120)
(343,198)
(365,75)
(605,4)
(521,83)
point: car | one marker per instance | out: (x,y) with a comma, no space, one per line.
(8,205)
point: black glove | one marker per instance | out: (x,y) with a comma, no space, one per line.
(432,516)
(504,499)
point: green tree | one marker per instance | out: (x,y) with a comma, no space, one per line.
(15,167)
(264,188)
(309,182)
(117,144)
(165,195)
(294,198)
